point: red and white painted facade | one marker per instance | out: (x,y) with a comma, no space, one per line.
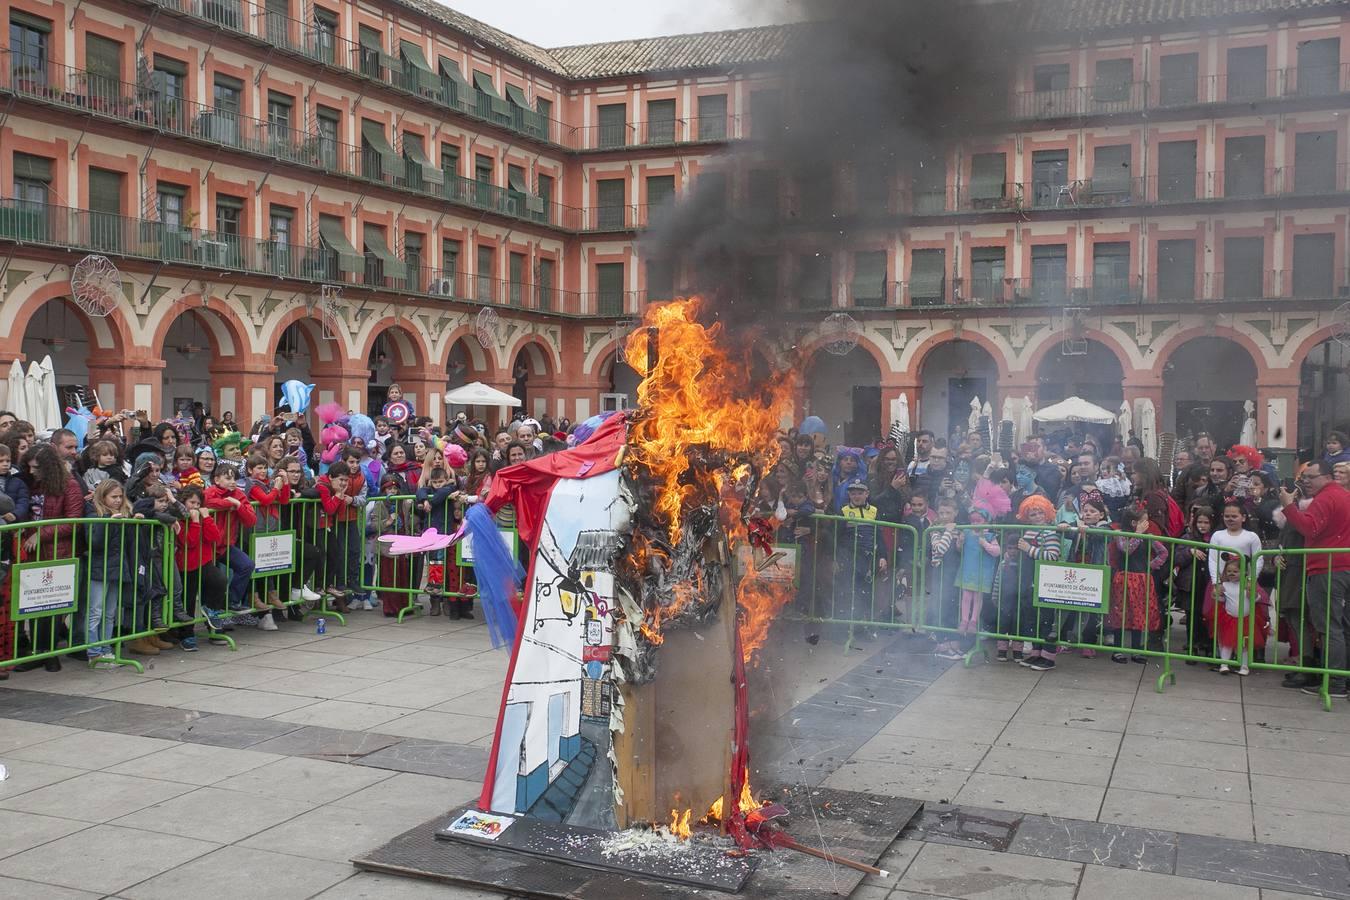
(185,328)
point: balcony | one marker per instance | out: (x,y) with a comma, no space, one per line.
(657,133)
(1173,93)
(141,105)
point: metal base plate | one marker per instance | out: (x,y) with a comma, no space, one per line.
(849,824)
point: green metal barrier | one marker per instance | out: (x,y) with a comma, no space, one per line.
(84,585)
(857,572)
(394,575)
(1306,606)
(1155,600)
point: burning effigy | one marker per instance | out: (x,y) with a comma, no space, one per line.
(625,701)
(647,591)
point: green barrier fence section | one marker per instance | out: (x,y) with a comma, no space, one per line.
(1134,596)
(82,586)
(397,578)
(1312,609)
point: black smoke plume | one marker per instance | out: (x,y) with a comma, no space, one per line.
(872,92)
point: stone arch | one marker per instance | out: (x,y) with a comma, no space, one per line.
(808,348)
(480,359)
(1206,380)
(845,392)
(1162,353)
(1049,344)
(175,338)
(1323,390)
(950,375)
(110,333)
(412,351)
(1097,375)
(230,337)
(918,355)
(545,359)
(323,350)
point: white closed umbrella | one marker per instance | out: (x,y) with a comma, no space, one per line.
(1148,427)
(1024,423)
(1249,424)
(902,413)
(974,421)
(51,403)
(1009,410)
(1075,409)
(32,392)
(1125,421)
(17,402)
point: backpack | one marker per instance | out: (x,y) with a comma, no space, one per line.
(1176,521)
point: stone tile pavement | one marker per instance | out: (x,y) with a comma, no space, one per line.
(273,765)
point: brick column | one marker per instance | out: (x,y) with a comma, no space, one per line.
(340,382)
(426,391)
(245,386)
(1138,389)
(1277,409)
(133,383)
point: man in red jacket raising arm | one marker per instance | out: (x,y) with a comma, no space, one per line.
(1325,524)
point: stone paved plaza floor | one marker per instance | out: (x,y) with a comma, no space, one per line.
(263,772)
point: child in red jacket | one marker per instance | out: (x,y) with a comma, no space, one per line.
(342,492)
(268,496)
(196,542)
(235,514)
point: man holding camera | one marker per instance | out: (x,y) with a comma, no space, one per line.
(1324,524)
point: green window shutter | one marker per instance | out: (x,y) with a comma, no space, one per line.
(613,118)
(515,180)
(390,161)
(609,280)
(393,266)
(517,96)
(483,82)
(170,65)
(412,145)
(660,188)
(428,79)
(105,191)
(869,278)
(334,235)
(103,57)
(32,168)
(368,38)
(17,17)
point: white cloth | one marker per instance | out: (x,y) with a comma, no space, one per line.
(1244,542)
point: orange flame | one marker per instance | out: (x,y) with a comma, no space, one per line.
(679,824)
(747,804)
(701,397)
(759,601)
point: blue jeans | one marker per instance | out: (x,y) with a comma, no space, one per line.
(241,574)
(105,597)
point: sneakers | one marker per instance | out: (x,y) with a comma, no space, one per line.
(368,603)
(1002,654)
(1244,671)
(188,645)
(1298,680)
(1087,653)
(1027,661)
(1041,664)
(948,653)
(1335,690)
(1224,670)
(181,617)
(304,593)
(354,606)
(265,623)
(1017,656)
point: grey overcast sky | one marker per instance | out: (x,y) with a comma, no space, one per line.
(559,23)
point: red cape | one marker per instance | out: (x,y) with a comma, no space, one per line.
(528,485)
